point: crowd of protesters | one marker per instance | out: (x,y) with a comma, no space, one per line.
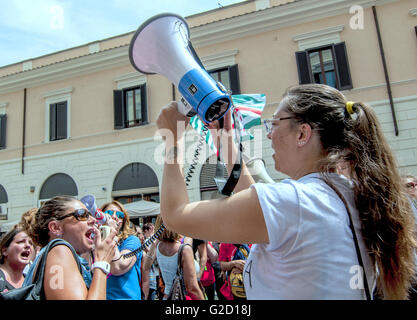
(344,205)
(137,278)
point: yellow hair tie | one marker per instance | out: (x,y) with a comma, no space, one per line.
(349,107)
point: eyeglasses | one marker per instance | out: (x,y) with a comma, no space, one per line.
(119,214)
(269,123)
(79,214)
(411,185)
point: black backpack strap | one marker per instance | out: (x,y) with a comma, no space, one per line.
(40,268)
(179,266)
(355,238)
(3,282)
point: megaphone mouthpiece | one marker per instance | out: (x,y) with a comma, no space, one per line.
(90,203)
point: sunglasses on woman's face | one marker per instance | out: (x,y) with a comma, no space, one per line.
(79,214)
(411,185)
(119,214)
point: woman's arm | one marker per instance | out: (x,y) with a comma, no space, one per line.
(202,252)
(63,280)
(122,265)
(229,265)
(150,256)
(145,279)
(190,277)
(236,219)
(224,141)
(212,254)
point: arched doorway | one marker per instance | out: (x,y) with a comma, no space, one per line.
(57,185)
(134,182)
(3,203)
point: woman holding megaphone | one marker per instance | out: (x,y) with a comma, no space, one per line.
(340,224)
(67,222)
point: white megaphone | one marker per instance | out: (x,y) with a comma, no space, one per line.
(161,45)
(256,167)
(90,203)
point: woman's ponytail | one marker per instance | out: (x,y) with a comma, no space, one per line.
(388,225)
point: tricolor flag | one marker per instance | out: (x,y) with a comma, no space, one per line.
(248,110)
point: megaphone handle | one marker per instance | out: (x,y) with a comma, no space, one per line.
(185,109)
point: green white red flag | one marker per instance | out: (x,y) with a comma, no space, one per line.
(248,110)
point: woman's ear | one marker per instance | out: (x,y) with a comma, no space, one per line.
(304,135)
(4,252)
(55,228)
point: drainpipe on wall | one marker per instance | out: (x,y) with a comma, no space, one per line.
(384,63)
(173,92)
(24,131)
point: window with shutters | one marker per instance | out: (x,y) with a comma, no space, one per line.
(58,114)
(228,76)
(326,65)
(3,119)
(322,66)
(130,107)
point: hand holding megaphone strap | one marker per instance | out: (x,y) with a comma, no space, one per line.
(226,187)
(146,244)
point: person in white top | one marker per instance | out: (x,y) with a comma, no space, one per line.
(167,256)
(339,165)
(410,183)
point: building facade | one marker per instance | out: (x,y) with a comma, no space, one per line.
(82,121)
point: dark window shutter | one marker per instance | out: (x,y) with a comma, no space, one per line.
(234,79)
(342,66)
(3,120)
(52,122)
(119,115)
(61,120)
(144,106)
(303,67)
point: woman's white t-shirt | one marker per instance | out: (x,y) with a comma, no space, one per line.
(311,252)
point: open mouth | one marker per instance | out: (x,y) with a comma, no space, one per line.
(90,234)
(25,255)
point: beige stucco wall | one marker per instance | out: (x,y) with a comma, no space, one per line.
(95,151)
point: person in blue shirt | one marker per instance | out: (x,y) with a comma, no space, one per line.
(126,280)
